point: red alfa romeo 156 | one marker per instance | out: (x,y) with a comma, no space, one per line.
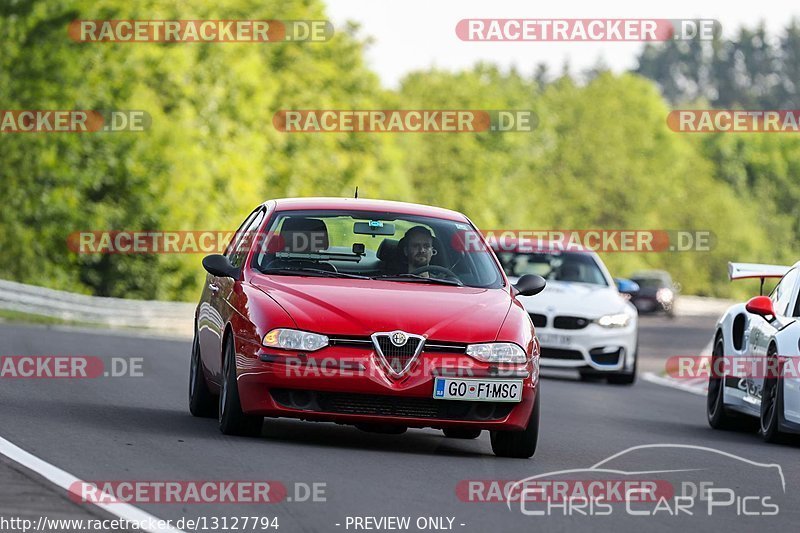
(384,315)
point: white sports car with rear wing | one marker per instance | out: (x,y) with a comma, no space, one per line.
(754,381)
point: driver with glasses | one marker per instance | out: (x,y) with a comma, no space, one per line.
(418,248)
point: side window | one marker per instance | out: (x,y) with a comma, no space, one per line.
(245,240)
(236,236)
(783,292)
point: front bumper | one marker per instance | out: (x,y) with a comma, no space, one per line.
(593,347)
(350,385)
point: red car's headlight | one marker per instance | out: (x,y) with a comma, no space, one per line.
(293,339)
(497,352)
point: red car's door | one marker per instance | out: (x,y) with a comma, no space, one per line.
(215,311)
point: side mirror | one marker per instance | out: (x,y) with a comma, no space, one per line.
(627,286)
(761,306)
(530,284)
(219,265)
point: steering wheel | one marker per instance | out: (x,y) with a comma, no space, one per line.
(443,272)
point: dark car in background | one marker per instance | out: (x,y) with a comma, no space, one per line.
(657,292)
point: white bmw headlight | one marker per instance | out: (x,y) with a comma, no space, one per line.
(619,320)
(497,352)
(292,339)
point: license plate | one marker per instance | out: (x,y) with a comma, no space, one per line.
(478,390)
(553,339)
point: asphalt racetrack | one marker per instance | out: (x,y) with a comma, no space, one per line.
(139,428)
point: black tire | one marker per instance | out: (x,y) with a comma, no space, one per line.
(201,402)
(719,416)
(232,421)
(772,400)
(462,433)
(626,378)
(519,444)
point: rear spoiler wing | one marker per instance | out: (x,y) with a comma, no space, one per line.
(756,270)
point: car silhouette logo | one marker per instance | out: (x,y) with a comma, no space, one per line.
(399,338)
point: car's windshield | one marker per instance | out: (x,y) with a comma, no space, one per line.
(390,246)
(554,265)
(651,283)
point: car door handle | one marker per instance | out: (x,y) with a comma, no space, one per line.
(214,287)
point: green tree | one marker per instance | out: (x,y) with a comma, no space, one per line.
(210,155)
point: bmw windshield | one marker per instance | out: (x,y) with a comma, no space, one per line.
(555,265)
(375,245)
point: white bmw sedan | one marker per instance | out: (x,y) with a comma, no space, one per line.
(583,319)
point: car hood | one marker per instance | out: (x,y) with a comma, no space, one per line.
(575,299)
(362,307)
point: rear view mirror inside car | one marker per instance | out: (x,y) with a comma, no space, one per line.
(374,227)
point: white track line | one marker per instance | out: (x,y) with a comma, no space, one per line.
(673,383)
(66,480)
(696,386)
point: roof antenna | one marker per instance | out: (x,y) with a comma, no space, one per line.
(356,195)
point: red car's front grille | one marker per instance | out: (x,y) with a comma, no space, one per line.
(398,357)
(378,405)
(390,406)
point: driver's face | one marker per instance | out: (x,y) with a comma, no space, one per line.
(420,251)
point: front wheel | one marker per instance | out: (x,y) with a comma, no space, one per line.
(519,444)
(232,421)
(201,402)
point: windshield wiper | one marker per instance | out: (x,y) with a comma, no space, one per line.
(317,272)
(417,277)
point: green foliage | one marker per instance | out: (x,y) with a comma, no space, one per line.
(209,157)
(601,158)
(601,155)
(750,71)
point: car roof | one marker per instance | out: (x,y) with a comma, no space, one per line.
(365,204)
